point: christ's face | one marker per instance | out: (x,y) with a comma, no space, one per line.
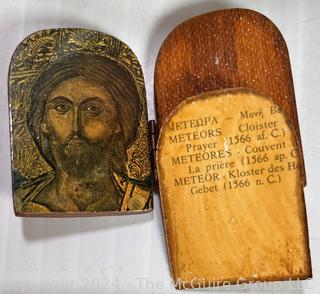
(80,119)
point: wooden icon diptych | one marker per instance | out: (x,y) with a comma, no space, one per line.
(79,129)
(228,159)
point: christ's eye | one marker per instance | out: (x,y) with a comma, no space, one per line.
(92,109)
(62,108)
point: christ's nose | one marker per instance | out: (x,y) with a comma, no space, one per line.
(76,127)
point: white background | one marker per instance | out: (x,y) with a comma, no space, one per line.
(128,254)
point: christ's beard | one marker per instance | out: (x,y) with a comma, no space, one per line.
(79,158)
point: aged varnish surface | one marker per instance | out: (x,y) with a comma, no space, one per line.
(229,170)
(78,126)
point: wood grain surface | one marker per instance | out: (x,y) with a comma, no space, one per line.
(224,49)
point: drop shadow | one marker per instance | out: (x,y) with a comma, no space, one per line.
(160,225)
(35,229)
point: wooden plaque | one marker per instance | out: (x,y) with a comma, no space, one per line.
(224,49)
(79,134)
(230,164)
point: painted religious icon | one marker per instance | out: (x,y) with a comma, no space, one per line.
(78,126)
